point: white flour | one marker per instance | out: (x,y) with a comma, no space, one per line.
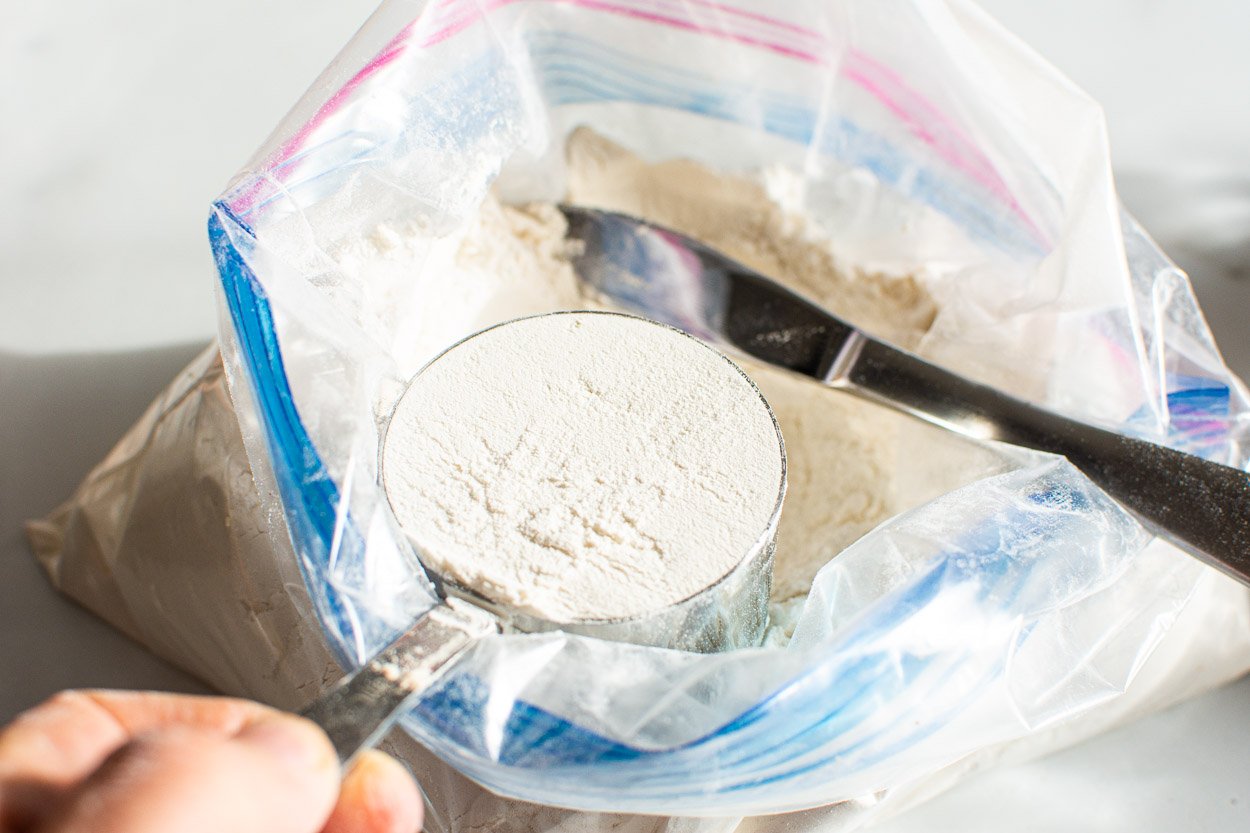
(841,451)
(509,261)
(583,466)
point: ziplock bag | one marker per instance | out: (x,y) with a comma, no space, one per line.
(924,140)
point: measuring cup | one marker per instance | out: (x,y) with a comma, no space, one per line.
(730,612)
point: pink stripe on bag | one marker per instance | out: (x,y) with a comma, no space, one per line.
(288,149)
(659,15)
(931,126)
(921,117)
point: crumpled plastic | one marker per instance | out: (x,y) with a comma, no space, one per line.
(1004,616)
(170,540)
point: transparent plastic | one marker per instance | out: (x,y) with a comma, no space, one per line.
(1015,599)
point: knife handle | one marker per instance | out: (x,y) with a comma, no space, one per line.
(1201,506)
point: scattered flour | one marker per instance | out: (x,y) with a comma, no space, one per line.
(505,263)
(583,466)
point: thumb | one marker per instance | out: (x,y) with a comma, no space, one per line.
(278,774)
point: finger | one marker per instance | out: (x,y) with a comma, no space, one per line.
(66,737)
(377,796)
(278,774)
(47,749)
(53,746)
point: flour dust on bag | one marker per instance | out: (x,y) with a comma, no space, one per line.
(916,139)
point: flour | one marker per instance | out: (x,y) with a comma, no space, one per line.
(841,451)
(510,261)
(584,466)
(505,262)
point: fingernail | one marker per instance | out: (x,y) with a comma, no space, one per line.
(294,740)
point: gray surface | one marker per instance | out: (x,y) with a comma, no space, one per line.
(58,416)
(132,116)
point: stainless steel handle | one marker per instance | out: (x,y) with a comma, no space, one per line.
(1203,507)
(658,273)
(360,708)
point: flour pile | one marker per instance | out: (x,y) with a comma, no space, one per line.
(511,261)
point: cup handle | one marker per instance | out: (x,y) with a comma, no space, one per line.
(361,708)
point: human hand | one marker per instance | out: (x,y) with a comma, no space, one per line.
(143,762)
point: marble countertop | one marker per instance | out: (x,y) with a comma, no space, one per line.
(105,298)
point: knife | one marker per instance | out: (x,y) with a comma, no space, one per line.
(657,273)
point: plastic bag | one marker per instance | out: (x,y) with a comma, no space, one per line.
(169,539)
(921,137)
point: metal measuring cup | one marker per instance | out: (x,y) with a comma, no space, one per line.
(731,612)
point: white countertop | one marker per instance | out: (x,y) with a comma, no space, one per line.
(124,121)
